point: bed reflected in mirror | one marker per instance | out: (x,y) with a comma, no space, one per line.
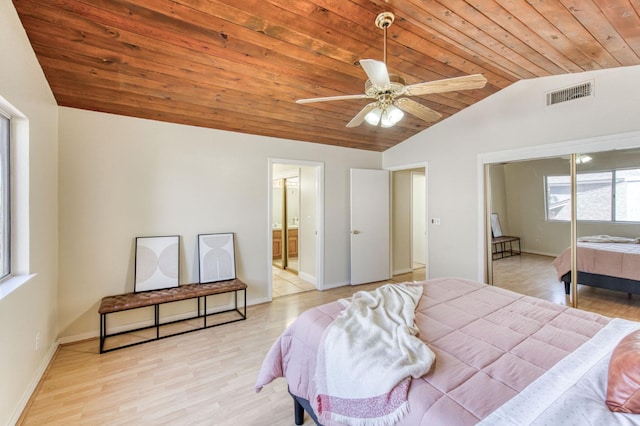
(532,200)
(608,229)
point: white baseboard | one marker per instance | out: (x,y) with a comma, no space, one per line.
(259,301)
(402,271)
(78,337)
(307,277)
(539,253)
(335,285)
(34,383)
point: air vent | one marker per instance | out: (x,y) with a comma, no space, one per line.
(570,93)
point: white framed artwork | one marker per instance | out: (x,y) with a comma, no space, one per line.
(157,263)
(216,253)
(496,230)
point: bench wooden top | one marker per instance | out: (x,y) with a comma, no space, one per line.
(122,302)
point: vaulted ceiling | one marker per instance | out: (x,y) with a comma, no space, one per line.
(240,65)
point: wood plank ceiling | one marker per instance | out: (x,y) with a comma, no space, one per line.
(239,65)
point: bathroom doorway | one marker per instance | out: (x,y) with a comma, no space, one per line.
(286,221)
(295,219)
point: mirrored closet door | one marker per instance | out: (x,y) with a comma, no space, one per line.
(608,227)
(526,229)
(530,203)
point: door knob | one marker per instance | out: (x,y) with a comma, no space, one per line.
(355,232)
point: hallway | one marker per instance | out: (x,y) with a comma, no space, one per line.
(286,283)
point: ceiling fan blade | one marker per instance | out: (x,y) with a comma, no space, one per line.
(419,110)
(376,71)
(359,118)
(475,81)
(331,98)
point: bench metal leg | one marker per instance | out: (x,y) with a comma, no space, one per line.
(103,330)
(156,309)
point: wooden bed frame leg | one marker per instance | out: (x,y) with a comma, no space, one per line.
(298,412)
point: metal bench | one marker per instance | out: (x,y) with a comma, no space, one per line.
(155,298)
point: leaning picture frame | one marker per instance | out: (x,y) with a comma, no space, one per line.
(216,254)
(496,230)
(157,263)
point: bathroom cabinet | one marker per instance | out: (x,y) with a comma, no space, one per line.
(292,242)
(277,243)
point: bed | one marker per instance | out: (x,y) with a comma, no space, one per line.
(491,345)
(612,266)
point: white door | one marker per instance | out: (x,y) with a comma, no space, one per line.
(370,260)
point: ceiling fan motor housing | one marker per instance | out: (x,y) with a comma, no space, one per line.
(396,87)
(384,20)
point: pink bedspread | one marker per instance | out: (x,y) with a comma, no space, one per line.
(490,343)
(613,259)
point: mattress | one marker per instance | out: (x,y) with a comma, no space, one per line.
(612,259)
(489,343)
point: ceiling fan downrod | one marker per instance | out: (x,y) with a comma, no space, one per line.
(384,21)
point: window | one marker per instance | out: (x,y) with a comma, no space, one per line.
(5,206)
(608,196)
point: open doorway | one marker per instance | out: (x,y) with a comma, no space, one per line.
(409,219)
(295,219)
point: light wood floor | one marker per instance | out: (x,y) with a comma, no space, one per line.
(201,378)
(207,377)
(534,275)
(285,283)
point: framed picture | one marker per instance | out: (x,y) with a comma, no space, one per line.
(496,230)
(217,257)
(157,263)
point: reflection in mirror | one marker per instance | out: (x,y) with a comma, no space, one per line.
(528,212)
(277,220)
(286,219)
(608,228)
(292,207)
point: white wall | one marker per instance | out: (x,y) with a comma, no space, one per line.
(514,118)
(30,309)
(499,197)
(401,221)
(123,177)
(307,231)
(526,207)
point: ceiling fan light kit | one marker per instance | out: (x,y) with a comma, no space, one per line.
(387,117)
(389,90)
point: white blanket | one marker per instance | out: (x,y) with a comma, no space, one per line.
(608,239)
(572,392)
(367,356)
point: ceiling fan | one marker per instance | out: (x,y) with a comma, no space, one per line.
(389,90)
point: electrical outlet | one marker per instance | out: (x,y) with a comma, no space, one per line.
(435,220)
(37,340)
